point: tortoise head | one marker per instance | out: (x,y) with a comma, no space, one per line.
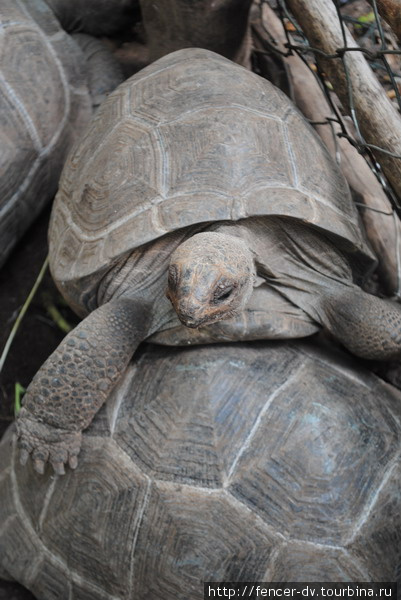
(211,278)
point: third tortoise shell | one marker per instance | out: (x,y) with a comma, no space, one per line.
(44,104)
(193,138)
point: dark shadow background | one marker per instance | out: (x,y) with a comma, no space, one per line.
(37,336)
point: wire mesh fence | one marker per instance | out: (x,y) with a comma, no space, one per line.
(376,41)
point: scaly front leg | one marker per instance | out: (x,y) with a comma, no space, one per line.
(368,326)
(76,379)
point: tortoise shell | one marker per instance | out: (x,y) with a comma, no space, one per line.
(44,103)
(192,138)
(242,462)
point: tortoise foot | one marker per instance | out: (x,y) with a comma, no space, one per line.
(47,444)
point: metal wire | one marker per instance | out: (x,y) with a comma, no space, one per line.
(296,42)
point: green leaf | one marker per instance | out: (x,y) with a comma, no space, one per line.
(368,18)
(19,391)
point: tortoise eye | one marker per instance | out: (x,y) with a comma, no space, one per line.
(222,292)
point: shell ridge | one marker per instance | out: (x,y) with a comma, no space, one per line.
(139,520)
(94,154)
(259,418)
(276,185)
(32,131)
(164,179)
(45,553)
(123,220)
(350,373)
(5,25)
(157,220)
(114,404)
(318,544)
(111,227)
(60,70)
(290,153)
(322,200)
(167,483)
(139,78)
(46,502)
(272,531)
(369,506)
(66,94)
(238,210)
(212,106)
(23,186)
(141,119)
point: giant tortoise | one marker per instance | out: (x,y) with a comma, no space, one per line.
(219,26)
(46,84)
(272,461)
(97,17)
(199,176)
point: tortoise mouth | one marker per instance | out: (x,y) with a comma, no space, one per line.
(194,323)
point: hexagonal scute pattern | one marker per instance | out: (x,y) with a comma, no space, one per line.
(324,456)
(261,461)
(332,185)
(185,83)
(45,102)
(18,151)
(192,138)
(92,518)
(381,525)
(234,157)
(230,544)
(309,562)
(128,164)
(195,434)
(48,97)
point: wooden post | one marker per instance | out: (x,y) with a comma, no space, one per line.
(382,225)
(377,118)
(390,10)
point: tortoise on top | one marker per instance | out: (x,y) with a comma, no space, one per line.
(198,176)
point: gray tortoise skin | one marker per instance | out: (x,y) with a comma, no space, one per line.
(200,178)
(49,85)
(222,27)
(272,461)
(96,17)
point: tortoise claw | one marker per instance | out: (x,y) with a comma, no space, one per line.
(23,457)
(73,462)
(58,468)
(46,444)
(39,466)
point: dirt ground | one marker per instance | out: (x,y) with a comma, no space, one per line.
(37,337)
(38,334)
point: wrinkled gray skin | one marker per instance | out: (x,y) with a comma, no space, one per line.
(97,17)
(104,73)
(257,278)
(219,26)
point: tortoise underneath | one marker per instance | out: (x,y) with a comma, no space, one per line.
(262,461)
(198,176)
